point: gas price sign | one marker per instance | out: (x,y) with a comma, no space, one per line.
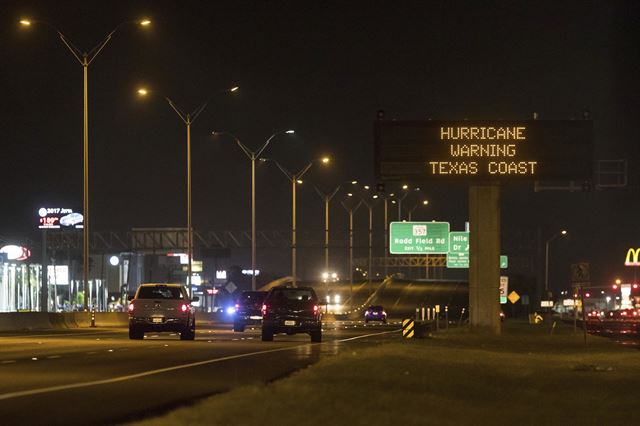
(472,150)
(58,217)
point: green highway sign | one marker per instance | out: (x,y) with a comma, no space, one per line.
(458,256)
(419,238)
(461,260)
(459,242)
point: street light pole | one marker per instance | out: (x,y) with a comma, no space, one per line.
(326,198)
(85,60)
(294,178)
(253,155)
(351,211)
(370,206)
(188,119)
(546,261)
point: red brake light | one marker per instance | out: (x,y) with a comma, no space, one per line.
(264,309)
(237,306)
(131,307)
(184,307)
(315,309)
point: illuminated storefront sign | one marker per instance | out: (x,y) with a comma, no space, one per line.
(58,274)
(632,257)
(534,150)
(57,217)
(14,252)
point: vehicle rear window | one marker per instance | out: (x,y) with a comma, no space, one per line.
(293,294)
(160,293)
(254,296)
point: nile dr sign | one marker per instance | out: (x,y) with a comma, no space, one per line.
(419,238)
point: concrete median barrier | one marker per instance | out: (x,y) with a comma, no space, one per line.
(19,321)
(14,321)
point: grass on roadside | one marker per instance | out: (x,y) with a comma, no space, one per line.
(526,376)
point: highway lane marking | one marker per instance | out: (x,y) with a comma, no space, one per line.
(54,357)
(80,333)
(9,361)
(58,388)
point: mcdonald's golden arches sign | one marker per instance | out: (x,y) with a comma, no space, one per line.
(632,257)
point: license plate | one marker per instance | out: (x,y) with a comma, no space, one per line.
(292,323)
(156,320)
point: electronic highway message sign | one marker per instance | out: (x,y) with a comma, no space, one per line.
(484,150)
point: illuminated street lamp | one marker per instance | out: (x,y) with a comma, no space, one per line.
(85,59)
(295,179)
(188,119)
(253,155)
(546,260)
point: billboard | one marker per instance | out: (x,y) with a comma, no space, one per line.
(58,217)
(533,150)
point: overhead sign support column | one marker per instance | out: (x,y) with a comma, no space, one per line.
(484,257)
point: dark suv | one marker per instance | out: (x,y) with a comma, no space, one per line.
(375,313)
(162,307)
(248,309)
(291,310)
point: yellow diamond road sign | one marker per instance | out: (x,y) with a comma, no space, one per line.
(513,297)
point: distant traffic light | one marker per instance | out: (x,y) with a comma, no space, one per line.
(587,294)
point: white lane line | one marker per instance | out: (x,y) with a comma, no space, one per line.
(367,335)
(9,361)
(49,389)
(54,357)
(80,333)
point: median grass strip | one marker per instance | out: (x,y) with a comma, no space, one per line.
(455,378)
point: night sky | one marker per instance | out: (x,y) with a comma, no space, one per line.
(323,69)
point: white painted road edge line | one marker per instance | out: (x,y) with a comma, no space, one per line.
(31,392)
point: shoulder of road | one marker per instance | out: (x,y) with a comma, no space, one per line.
(533,374)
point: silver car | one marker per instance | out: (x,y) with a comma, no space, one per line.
(162,307)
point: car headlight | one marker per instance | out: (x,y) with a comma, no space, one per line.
(231,310)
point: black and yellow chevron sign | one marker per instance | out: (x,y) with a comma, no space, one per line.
(408,326)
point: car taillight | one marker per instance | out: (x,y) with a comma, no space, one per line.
(131,307)
(184,307)
(237,306)
(264,309)
(315,309)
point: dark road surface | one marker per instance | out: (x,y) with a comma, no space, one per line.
(101,377)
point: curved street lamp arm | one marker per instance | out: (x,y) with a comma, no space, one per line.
(89,57)
(72,48)
(182,115)
(322,195)
(352,209)
(328,197)
(304,170)
(284,171)
(196,112)
(264,145)
(242,146)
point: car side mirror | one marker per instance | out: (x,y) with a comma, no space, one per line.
(195,299)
